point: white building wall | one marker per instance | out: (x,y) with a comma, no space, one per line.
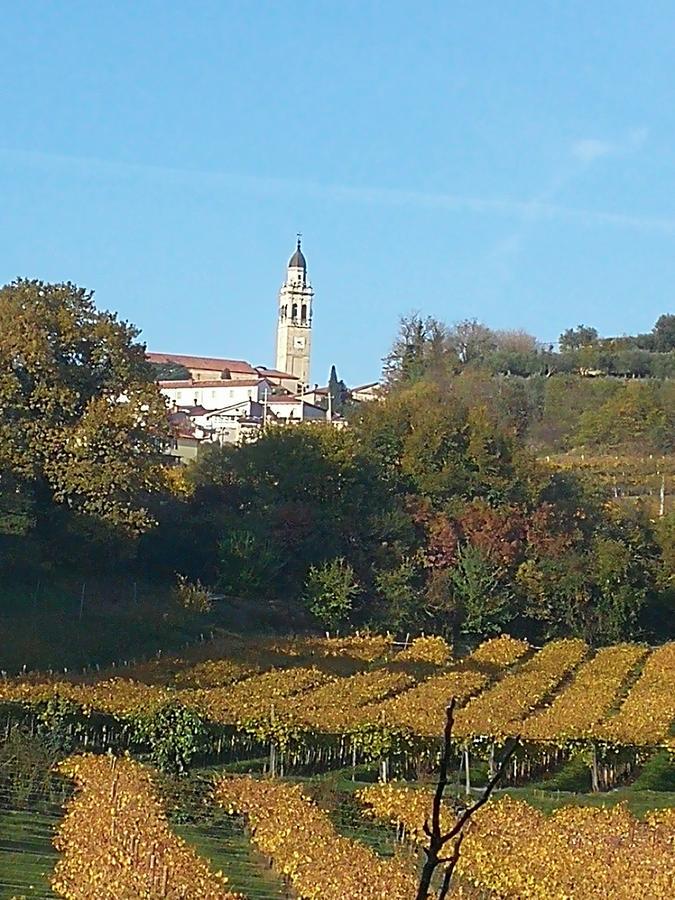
(297,411)
(214,396)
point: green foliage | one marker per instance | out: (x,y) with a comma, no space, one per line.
(658,773)
(170,371)
(574,775)
(400,591)
(430,511)
(330,590)
(665,537)
(338,391)
(664,334)
(17,513)
(576,338)
(59,724)
(173,736)
(81,418)
(261,514)
(431,504)
(441,447)
(248,564)
(482,591)
(418,348)
(640,413)
(597,590)
(540,393)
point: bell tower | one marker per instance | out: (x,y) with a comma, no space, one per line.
(294,326)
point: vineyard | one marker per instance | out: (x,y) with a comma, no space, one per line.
(627,477)
(516,851)
(264,723)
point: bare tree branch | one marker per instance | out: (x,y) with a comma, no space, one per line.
(487,792)
(437,840)
(449,871)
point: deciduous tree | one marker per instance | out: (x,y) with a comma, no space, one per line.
(80,416)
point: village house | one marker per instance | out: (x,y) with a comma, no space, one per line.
(229,401)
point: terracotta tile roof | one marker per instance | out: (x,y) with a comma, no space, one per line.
(275,373)
(203,362)
(209,383)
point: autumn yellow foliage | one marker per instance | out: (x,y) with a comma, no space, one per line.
(647,713)
(576,711)
(305,847)
(500,652)
(500,710)
(429,649)
(561,693)
(515,852)
(116,841)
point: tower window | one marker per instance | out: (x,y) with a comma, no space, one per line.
(303,314)
(294,314)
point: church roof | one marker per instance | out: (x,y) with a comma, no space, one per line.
(264,372)
(297,261)
(203,362)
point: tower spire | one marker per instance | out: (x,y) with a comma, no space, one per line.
(294,327)
(298,261)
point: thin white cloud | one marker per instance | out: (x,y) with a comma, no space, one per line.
(588,150)
(502,259)
(538,209)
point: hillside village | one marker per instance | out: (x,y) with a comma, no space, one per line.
(230,401)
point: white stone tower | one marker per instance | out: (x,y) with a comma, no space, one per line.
(294,328)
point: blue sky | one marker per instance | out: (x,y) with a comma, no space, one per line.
(512,162)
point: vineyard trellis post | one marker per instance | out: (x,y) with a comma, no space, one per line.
(467,770)
(84,587)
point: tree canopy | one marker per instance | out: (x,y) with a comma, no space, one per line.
(81,420)
(433,509)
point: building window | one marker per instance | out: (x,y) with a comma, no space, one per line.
(303,314)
